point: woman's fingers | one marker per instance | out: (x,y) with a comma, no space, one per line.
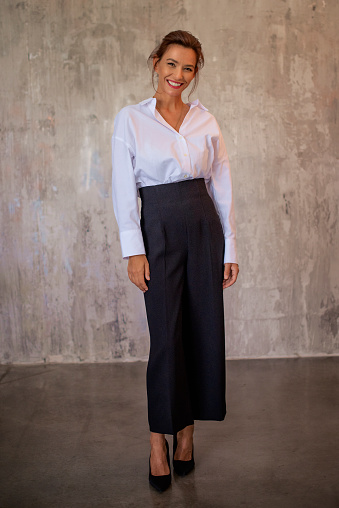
(231,271)
(138,269)
(147,272)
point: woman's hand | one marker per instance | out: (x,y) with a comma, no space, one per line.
(138,271)
(231,271)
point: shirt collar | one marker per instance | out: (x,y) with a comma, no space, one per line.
(152,102)
(197,103)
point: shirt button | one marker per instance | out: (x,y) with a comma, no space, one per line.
(185,154)
(185,176)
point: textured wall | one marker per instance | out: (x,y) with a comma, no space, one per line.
(270,79)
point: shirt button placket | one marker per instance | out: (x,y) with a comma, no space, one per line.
(186,161)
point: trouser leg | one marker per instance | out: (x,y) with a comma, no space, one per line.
(169,408)
(203,323)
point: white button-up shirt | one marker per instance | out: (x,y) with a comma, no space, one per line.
(146,150)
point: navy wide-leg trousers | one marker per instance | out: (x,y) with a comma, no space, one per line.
(184,244)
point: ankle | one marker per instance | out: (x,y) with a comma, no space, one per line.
(157,441)
(186,434)
(155,437)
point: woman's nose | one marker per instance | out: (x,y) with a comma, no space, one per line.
(178,74)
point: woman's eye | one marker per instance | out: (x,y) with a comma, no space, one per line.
(172,64)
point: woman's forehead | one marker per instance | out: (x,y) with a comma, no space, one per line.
(181,54)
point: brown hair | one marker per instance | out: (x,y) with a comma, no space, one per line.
(182,38)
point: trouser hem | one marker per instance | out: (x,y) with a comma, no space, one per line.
(173,431)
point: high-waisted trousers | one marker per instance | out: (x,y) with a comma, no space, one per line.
(184,244)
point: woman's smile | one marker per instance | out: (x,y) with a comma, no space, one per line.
(174,84)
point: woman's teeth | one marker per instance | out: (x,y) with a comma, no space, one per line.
(173,83)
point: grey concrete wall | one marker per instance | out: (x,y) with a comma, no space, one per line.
(270,79)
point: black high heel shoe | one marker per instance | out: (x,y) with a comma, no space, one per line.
(182,467)
(161,483)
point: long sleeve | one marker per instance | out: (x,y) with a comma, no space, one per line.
(220,189)
(124,192)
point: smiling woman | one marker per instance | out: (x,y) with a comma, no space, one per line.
(185,40)
(181,253)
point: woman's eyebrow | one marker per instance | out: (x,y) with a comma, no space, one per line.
(175,61)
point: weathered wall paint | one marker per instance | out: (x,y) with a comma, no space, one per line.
(270,79)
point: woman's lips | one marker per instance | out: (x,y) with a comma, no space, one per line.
(174,84)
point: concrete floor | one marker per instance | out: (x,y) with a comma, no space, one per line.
(77,436)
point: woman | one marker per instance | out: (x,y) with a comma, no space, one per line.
(181,253)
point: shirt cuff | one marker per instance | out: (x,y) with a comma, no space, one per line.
(132,243)
(230,255)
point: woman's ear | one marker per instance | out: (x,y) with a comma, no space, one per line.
(155,63)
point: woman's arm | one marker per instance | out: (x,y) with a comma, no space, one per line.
(125,204)
(125,198)
(220,189)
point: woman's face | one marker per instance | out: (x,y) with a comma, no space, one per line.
(176,69)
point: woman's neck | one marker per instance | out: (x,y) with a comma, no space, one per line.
(167,102)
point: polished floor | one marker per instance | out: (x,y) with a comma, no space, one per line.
(77,436)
